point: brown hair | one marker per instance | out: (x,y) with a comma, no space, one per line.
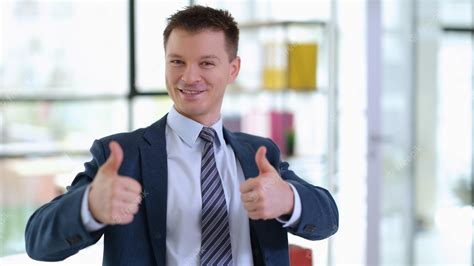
(197,18)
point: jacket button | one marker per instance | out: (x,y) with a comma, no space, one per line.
(309,228)
(73,240)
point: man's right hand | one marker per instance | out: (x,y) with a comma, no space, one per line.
(114,199)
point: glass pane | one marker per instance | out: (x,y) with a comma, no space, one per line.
(245,11)
(150,22)
(349,246)
(147,110)
(285,10)
(52,126)
(445,234)
(456,13)
(26,184)
(63,47)
(241,10)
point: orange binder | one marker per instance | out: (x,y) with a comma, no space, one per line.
(300,256)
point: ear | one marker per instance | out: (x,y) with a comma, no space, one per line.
(234,69)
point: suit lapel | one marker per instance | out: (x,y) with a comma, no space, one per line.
(245,153)
(155,185)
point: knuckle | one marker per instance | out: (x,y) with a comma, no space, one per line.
(259,183)
(133,209)
(138,185)
(257,196)
(137,199)
(127,219)
(114,218)
(125,210)
(132,182)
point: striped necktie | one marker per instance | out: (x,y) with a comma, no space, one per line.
(215,237)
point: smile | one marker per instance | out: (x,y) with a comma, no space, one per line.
(190,92)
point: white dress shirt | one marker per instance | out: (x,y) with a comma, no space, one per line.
(183,223)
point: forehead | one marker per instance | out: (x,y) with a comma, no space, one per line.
(201,43)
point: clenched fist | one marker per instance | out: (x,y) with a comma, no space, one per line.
(266,196)
(114,199)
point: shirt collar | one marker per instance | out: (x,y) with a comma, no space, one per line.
(188,130)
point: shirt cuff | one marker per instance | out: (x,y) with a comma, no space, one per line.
(88,220)
(296,215)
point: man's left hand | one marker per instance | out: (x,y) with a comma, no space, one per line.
(266,196)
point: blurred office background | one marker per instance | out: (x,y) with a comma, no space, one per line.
(382,117)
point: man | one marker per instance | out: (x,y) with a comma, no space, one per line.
(185,190)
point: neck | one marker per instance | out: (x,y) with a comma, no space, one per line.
(206,120)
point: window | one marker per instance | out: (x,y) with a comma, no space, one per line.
(65,75)
(150,23)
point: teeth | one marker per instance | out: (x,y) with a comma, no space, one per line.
(190,92)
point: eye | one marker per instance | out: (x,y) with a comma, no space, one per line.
(207,64)
(176,62)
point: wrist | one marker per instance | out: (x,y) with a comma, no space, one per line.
(291,201)
(90,204)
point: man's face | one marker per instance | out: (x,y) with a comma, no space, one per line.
(198,70)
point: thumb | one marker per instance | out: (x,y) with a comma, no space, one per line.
(263,164)
(115,158)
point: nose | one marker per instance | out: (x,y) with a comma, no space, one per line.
(191,74)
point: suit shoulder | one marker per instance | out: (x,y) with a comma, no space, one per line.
(273,152)
(125,138)
(254,140)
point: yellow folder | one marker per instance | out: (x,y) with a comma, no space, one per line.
(302,58)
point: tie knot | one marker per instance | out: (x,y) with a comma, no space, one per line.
(208,134)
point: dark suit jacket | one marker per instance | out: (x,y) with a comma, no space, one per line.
(55,231)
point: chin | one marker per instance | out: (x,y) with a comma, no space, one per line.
(190,112)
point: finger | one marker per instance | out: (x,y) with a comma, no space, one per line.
(123,209)
(130,184)
(131,208)
(254,215)
(263,164)
(251,196)
(250,206)
(248,185)
(122,219)
(115,158)
(129,197)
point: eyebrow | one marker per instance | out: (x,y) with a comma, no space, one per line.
(211,57)
(203,57)
(174,55)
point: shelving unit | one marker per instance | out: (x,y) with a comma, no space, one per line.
(314,110)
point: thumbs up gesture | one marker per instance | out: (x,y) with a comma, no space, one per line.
(266,196)
(114,199)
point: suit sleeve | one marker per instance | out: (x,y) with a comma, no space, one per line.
(55,231)
(319,215)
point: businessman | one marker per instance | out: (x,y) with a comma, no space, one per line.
(185,190)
